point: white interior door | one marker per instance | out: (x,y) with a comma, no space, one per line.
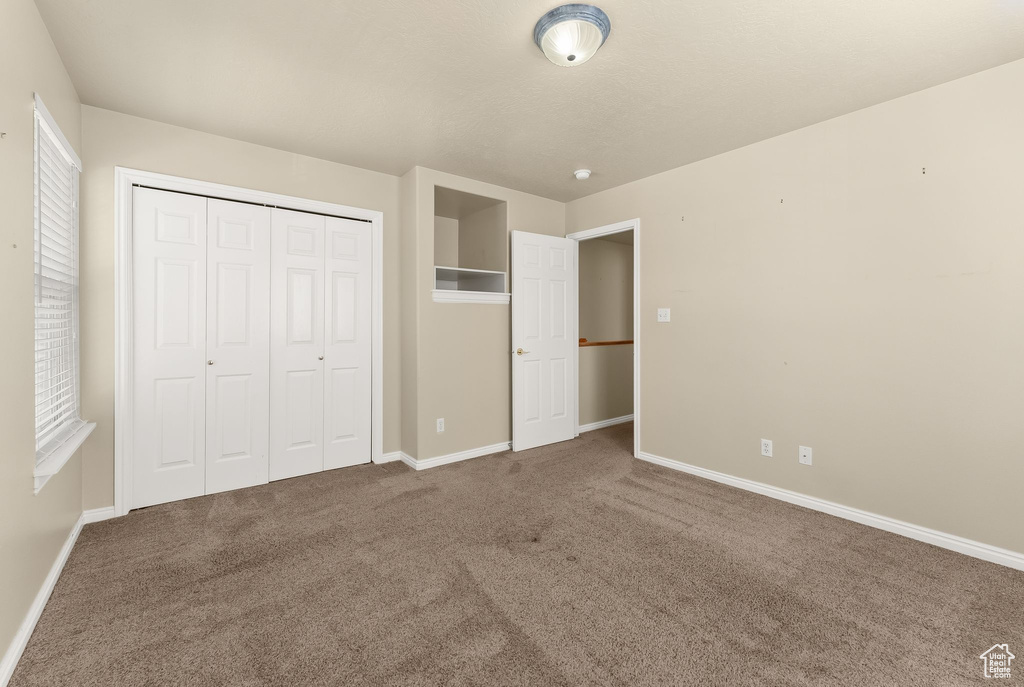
(543,339)
(169,348)
(347,350)
(296,344)
(238,345)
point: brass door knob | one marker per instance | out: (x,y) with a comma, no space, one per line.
(520,351)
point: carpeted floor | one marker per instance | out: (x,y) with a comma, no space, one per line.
(572,564)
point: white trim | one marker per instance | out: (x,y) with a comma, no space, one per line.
(54,130)
(377,338)
(426,463)
(601,424)
(985,552)
(390,457)
(469,269)
(21,637)
(98,515)
(124,179)
(448,296)
(576,335)
(52,464)
(617,228)
(607,229)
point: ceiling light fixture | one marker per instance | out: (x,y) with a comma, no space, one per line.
(570,35)
(582,174)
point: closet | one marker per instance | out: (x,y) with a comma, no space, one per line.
(251,344)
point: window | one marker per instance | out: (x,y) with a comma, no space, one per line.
(59,427)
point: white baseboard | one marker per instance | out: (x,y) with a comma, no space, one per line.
(605,423)
(20,641)
(985,552)
(390,457)
(98,515)
(418,464)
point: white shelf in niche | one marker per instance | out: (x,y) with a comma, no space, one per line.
(464,285)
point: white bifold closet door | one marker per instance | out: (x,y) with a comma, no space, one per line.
(169,348)
(296,344)
(252,345)
(201,368)
(347,338)
(320,343)
(238,345)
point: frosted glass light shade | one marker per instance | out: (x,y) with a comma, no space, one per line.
(570,35)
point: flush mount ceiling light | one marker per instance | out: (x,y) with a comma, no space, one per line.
(570,35)
(582,174)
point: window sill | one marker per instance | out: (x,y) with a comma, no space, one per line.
(52,464)
(446,296)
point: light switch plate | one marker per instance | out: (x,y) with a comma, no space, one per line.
(664,314)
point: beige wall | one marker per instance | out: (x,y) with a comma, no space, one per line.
(462,365)
(115,139)
(446,241)
(606,314)
(606,382)
(483,239)
(825,292)
(606,290)
(32,527)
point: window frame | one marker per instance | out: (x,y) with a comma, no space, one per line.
(72,432)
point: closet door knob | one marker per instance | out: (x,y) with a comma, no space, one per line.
(321,357)
(209,362)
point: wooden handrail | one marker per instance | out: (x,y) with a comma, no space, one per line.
(584,342)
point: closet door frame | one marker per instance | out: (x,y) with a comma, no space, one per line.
(124,181)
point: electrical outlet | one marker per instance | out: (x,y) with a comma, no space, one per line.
(664,314)
(805,455)
(440,425)
(766,448)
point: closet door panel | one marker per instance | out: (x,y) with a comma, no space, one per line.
(296,344)
(169,234)
(301,389)
(347,350)
(238,345)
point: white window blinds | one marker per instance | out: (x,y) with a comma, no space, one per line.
(56,286)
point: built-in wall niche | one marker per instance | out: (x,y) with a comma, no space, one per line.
(470,248)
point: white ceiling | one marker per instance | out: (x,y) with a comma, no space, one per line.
(458,85)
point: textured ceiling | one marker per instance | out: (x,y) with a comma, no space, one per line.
(458,86)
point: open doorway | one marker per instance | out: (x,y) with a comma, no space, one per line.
(607,356)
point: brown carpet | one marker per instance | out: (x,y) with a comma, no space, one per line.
(572,564)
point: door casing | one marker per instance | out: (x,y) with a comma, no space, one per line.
(619,227)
